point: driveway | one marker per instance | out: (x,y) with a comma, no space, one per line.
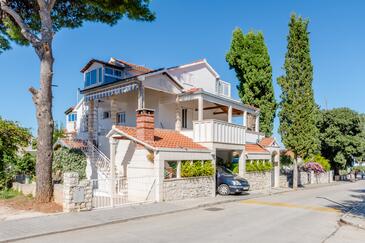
(303,216)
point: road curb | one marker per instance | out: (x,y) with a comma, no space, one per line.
(202,205)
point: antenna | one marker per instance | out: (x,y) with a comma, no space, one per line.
(325,103)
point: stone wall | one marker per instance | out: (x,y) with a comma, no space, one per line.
(186,188)
(305,178)
(77,196)
(258,180)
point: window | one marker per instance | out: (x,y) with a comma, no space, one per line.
(170,169)
(93,77)
(106,114)
(112,75)
(184,118)
(72,117)
(121,118)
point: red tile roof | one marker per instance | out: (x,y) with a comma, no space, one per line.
(73,143)
(164,138)
(134,66)
(255,148)
(267,141)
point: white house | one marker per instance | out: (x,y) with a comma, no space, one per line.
(138,119)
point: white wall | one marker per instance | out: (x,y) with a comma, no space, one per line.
(195,76)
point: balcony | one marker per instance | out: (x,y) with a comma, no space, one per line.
(253,137)
(215,131)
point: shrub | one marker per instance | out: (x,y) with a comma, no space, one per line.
(8,193)
(313,166)
(197,168)
(320,160)
(258,166)
(67,160)
(235,168)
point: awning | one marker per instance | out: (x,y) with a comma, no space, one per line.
(111,91)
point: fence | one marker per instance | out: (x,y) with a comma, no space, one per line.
(121,191)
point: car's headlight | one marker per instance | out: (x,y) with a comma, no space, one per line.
(236,183)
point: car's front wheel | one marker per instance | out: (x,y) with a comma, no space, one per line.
(223,189)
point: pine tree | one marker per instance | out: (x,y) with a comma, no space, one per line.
(249,57)
(299,113)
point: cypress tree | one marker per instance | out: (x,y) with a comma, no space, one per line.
(299,113)
(249,57)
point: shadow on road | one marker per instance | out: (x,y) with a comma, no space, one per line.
(357,205)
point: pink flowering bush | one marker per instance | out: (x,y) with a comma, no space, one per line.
(313,166)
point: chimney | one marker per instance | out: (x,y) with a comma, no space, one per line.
(145,124)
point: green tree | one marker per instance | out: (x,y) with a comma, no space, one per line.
(342,136)
(250,59)
(12,138)
(35,23)
(298,112)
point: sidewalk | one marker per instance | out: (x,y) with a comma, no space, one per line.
(31,227)
(57,223)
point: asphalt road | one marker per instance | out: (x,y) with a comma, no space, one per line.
(303,216)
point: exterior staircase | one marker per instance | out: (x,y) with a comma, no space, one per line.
(98,159)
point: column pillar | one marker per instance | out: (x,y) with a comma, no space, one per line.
(178,115)
(230,114)
(113,110)
(178,169)
(159,174)
(277,169)
(242,164)
(200,108)
(257,124)
(113,148)
(141,101)
(244,121)
(90,122)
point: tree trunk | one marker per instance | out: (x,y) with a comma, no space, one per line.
(295,173)
(43,101)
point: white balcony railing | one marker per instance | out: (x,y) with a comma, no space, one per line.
(253,137)
(215,131)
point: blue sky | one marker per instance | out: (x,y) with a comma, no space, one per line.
(188,30)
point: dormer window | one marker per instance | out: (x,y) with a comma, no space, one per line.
(93,77)
(112,75)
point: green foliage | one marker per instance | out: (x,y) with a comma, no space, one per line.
(258,166)
(8,193)
(12,138)
(26,164)
(286,160)
(249,57)
(359,168)
(69,14)
(68,160)
(196,168)
(320,160)
(235,168)
(342,136)
(299,112)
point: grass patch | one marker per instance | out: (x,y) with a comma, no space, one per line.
(8,193)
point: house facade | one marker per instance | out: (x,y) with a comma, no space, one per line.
(135,120)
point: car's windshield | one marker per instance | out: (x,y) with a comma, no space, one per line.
(224,171)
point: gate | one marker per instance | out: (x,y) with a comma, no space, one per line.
(121,191)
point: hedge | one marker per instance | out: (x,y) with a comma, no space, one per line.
(196,168)
(258,166)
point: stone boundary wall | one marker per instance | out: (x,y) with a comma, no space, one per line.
(77,196)
(29,189)
(305,178)
(187,188)
(258,180)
